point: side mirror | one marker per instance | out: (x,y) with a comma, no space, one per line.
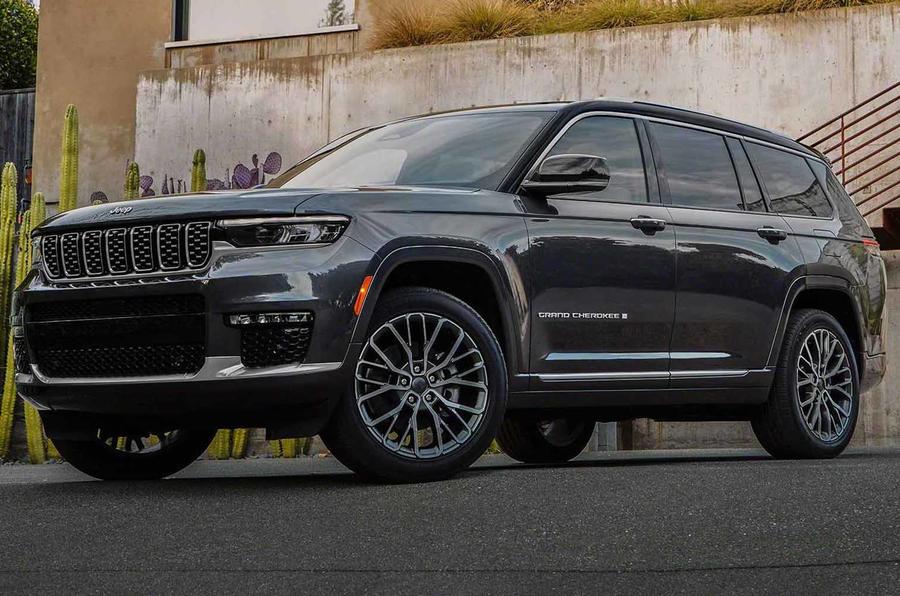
(569,173)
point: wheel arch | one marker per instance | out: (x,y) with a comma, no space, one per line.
(452,269)
(834,295)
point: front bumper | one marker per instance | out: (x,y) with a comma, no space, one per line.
(224,392)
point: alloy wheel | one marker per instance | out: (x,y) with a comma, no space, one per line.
(824,385)
(421,386)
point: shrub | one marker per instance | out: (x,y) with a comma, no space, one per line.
(18,44)
(469,20)
(408,24)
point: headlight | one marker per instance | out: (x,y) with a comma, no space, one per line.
(312,230)
(36,251)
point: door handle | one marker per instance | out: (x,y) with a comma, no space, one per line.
(648,225)
(773,235)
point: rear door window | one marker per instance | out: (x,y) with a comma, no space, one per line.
(792,185)
(697,168)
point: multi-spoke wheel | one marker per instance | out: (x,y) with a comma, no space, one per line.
(428,390)
(534,441)
(824,385)
(814,403)
(135,456)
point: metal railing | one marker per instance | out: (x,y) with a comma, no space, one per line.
(863,145)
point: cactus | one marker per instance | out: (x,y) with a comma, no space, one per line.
(68,183)
(8,202)
(198,172)
(133,182)
(221,445)
(239,442)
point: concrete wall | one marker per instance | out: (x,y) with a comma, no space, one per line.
(90,53)
(298,46)
(786,72)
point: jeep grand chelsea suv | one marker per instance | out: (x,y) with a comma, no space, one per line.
(414,290)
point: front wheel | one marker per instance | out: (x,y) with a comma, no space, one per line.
(428,393)
(143,456)
(544,441)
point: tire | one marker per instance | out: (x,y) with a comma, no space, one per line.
(811,415)
(468,391)
(544,441)
(112,459)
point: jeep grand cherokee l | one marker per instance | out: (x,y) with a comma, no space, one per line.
(414,290)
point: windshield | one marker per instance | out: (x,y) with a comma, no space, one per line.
(465,150)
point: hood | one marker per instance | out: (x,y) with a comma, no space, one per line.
(207,205)
(251,203)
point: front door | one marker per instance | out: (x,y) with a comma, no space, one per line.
(602,270)
(735,259)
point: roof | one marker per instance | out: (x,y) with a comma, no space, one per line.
(651,110)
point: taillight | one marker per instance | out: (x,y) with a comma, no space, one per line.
(872,247)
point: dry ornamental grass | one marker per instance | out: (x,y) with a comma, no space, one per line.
(413,24)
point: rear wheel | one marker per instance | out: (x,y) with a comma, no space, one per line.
(428,393)
(143,456)
(814,404)
(544,441)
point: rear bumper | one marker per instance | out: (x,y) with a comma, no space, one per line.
(873,371)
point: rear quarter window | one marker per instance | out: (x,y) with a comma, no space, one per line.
(792,186)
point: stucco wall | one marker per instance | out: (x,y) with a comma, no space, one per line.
(90,53)
(785,72)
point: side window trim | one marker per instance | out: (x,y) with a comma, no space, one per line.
(759,179)
(660,166)
(638,125)
(737,174)
(654,191)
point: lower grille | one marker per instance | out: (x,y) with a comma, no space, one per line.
(122,361)
(274,346)
(132,337)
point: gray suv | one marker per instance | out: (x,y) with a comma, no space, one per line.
(412,291)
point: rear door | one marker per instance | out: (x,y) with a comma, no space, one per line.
(602,278)
(735,260)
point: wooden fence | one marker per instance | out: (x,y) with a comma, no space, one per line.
(17,130)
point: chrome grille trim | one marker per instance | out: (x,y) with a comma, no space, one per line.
(168,247)
(71,261)
(92,252)
(142,249)
(50,252)
(127,252)
(116,253)
(197,245)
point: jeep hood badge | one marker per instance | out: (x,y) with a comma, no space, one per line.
(121,211)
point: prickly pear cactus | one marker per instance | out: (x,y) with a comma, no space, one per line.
(68,182)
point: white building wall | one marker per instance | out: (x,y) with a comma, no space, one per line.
(235,19)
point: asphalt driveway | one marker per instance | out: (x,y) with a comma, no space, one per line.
(672,522)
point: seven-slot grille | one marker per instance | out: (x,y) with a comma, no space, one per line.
(123,251)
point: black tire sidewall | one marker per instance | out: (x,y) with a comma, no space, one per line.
(96,459)
(813,321)
(351,441)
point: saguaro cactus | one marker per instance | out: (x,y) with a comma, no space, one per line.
(68,181)
(198,172)
(8,200)
(133,182)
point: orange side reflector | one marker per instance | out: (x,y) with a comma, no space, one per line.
(363,292)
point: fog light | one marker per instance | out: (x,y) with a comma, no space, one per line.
(269,318)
